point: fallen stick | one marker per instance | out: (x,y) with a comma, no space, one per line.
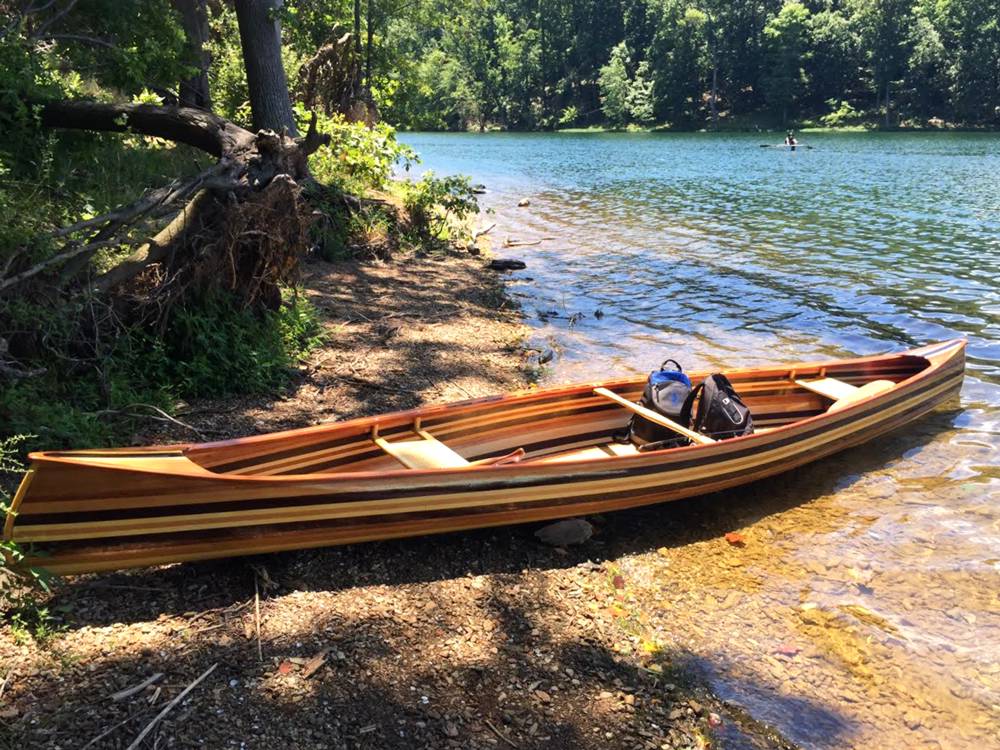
(520,243)
(6,679)
(170,706)
(120,724)
(499,734)
(129,692)
(256,616)
(481,232)
(313,664)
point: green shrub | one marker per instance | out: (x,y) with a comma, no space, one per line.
(431,201)
(359,157)
(210,348)
(842,113)
(19,591)
(215,347)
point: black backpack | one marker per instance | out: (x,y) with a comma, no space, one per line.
(721,412)
(667,392)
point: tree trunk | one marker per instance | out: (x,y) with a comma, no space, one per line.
(370,32)
(260,37)
(357,47)
(715,95)
(194,91)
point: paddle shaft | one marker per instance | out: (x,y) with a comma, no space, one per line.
(653,416)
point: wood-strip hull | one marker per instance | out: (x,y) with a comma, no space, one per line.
(92,511)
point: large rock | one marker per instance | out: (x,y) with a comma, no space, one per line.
(507,264)
(566,533)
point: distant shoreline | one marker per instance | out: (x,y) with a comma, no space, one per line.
(813,129)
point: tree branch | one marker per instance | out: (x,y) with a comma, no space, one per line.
(154,250)
(55,260)
(83,38)
(195,127)
(209,179)
(314,139)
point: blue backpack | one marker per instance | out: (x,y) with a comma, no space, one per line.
(667,392)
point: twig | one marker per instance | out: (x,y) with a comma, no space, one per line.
(481,232)
(124,587)
(129,692)
(163,417)
(96,41)
(499,734)
(120,724)
(362,383)
(156,719)
(256,616)
(6,679)
(208,628)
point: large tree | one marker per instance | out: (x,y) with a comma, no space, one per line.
(237,224)
(193,90)
(260,35)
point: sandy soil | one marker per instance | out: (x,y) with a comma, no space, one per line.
(476,640)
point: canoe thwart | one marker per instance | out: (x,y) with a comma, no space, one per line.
(652,416)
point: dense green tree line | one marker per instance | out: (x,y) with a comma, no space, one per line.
(552,63)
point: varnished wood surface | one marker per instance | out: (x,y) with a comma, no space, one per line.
(100,510)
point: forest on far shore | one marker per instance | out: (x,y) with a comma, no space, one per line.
(544,64)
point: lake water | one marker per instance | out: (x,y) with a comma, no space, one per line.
(865,608)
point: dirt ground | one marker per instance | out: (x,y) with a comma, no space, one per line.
(476,640)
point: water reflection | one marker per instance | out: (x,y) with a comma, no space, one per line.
(871,581)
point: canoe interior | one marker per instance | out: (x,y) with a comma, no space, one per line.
(83,511)
(576,424)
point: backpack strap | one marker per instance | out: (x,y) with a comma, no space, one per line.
(677,365)
(688,405)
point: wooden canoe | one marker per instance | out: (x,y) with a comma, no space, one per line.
(530,456)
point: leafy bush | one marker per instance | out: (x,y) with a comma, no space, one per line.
(211,348)
(431,201)
(215,347)
(568,116)
(842,114)
(19,590)
(359,157)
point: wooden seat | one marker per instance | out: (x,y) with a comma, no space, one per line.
(844,394)
(425,453)
(832,388)
(868,389)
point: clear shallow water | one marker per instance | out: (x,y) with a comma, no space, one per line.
(881,565)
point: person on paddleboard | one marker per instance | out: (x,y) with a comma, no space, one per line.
(790,140)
